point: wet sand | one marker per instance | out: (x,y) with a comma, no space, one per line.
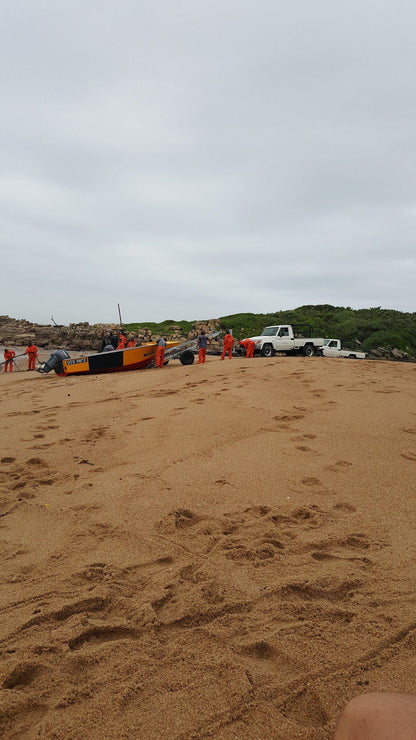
(221,551)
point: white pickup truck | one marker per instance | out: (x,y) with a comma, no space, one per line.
(332,348)
(285,338)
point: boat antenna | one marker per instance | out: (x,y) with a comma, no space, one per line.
(119,313)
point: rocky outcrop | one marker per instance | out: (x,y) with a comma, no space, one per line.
(384,353)
(84,337)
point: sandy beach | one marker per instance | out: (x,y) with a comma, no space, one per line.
(222,551)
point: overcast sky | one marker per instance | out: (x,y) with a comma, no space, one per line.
(195,158)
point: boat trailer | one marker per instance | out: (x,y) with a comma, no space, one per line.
(185,351)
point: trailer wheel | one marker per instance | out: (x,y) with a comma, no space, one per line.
(267,350)
(59,368)
(187,357)
(309,350)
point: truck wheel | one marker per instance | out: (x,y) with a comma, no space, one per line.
(352,357)
(187,357)
(309,350)
(267,350)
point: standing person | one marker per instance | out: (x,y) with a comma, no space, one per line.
(32,352)
(248,345)
(160,351)
(105,341)
(9,355)
(122,340)
(228,345)
(202,343)
(112,339)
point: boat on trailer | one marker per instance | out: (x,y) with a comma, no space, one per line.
(119,360)
(130,358)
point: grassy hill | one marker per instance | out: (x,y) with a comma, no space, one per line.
(372,327)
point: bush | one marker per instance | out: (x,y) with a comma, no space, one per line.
(387,339)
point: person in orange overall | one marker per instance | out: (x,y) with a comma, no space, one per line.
(132,343)
(160,351)
(202,343)
(248,345)
(228,345)
(122,341)
(8,356)
(32,352)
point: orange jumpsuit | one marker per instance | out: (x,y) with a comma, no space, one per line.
(132,343)
(248,345)
(32,352)
(228,346)
(202,355)
(160,355)
(8,356)
(122,341)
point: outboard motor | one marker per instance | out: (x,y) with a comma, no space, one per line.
(55,362)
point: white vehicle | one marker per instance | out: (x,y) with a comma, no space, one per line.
(332,348)
(285,338)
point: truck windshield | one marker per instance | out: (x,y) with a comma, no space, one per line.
(326,341)
(269,331)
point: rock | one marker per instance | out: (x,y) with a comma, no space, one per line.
(398,354)
(24,338)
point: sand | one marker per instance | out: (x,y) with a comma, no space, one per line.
(222,551)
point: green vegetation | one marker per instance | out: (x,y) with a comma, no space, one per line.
(372,327)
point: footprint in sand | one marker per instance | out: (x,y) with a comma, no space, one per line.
(306,709)
(339,465)
(301,437)
(287,417)
(36,461)
(178,519)
(345,506)
(22,674)
(409,456)
(311,481)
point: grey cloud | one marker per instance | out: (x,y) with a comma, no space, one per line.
(204,158)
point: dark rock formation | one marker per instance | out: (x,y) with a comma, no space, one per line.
(82,337)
